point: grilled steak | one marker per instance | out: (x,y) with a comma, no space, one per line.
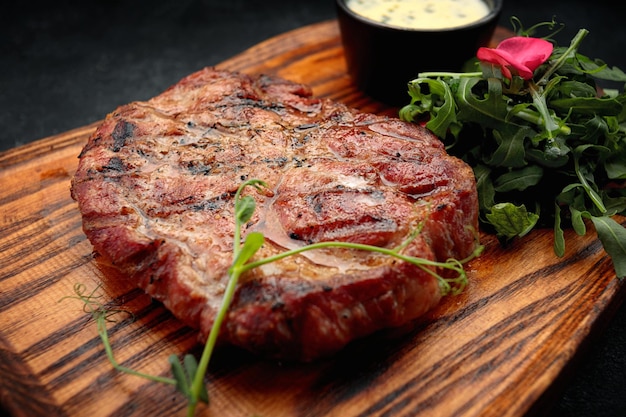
(155,187)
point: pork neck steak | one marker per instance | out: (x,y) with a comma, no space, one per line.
(155,186)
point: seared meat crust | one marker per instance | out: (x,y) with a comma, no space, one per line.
(155,187)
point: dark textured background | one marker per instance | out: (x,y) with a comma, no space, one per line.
(65,64)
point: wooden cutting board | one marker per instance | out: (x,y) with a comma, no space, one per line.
(493,351)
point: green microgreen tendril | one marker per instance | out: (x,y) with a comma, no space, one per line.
(553,66)
(593,196)
(436,74)
(101,314)
(244,207)
(242,253)
(451,264)
(539,99)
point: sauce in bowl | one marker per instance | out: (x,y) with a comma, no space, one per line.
(421,14)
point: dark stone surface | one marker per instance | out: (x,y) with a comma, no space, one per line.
(64,64)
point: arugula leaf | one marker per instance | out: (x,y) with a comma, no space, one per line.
(556,142)
(511,150)
(559,235)
(599,69)
(519,179)
(578,223)
(588,105)
(485,188)
(439,100)
(511,221)
(615,167)
(613,238)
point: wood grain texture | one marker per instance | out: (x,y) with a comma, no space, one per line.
(493,351)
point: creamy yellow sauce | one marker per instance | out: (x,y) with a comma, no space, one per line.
(421,14)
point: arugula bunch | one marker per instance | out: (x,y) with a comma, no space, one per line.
(546,151)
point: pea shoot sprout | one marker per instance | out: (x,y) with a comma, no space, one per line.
(189,374)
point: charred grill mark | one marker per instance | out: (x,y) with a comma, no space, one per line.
(315,202)
(306,126)
(300,141)
(93,143)
(262,104)
(278,162)
(298,163)
(375,194)
(199,145)
(213,204)
(114,164)
(308,231)
(122,131)
(185,200)
(302,138)
(198,168)
(214,130)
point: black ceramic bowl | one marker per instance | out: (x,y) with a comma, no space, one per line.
(382,59)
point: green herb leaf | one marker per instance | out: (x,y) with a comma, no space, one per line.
(189,375)
(438,99)
(559,235)
(519,179)
(252,244)
(578,223)
(191,368)
(182,381)
(245,209)
(245,206)
(613,238)
(511,221)
(184,374)
(551,142)
(587,105)
(484,186)
(511,149)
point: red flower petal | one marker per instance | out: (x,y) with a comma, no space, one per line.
(496,57)
(520,53)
